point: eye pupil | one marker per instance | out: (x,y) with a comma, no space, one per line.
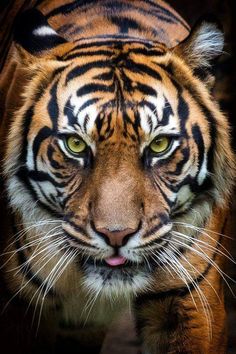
(159,145)
(75,145)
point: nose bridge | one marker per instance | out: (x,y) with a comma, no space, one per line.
(116,202)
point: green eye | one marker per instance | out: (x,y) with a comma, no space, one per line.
(75,144)
(160,144)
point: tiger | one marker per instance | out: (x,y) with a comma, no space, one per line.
(117,177)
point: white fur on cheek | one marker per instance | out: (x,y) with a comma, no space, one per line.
(203,171)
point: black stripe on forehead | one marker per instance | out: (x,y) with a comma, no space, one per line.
(53,109)
(183,112)
(148,52)
(93,88)
(96,52)
(120,61)
(69,113)
(182,108)
(101,120)
(108,41)
(72,118)
(167,112)
(146,89)
(142,69)
(134,123)
(82,69)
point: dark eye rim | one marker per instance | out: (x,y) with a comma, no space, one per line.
(171,137)
(79,139)
(82,154)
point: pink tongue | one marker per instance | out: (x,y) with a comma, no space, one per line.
(115,261)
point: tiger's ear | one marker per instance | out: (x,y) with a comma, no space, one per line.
(202,47)
(33,33)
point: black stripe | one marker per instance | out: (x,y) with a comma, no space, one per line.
(67,8)
(26,122)
(113,40)
(78,241)
(106,76)
(76,227)
(179,166)
(197,136)
(80,70)
(49,200)
(22,174)
(146,89)
(183,112)
(41,176)
(150,105)
(163,220)
(92,88)
(69,113)
(88,103)
(167,13)
(162,243)
(124,23)
(54,163)
(178,292)
(42,135)
(167,112)
(167,200)
(212,123)
(29,273)
(53,109)
(206,111)
(142,68)
(114,6)
(148,52)
(79,54)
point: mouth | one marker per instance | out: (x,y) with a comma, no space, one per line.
(115,276)
(112,263)
(114,268)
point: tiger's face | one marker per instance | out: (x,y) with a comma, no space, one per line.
(119,146)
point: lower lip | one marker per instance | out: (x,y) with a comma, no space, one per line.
(115,261)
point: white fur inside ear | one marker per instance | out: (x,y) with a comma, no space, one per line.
(44,31)
(207,43)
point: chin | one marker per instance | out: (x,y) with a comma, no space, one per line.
(115,282)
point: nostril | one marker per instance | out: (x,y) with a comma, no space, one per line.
(116,237)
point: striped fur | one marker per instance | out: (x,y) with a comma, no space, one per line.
(118,74)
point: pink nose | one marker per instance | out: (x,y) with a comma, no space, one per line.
(116,237)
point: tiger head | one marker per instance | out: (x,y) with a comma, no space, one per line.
(119,142)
